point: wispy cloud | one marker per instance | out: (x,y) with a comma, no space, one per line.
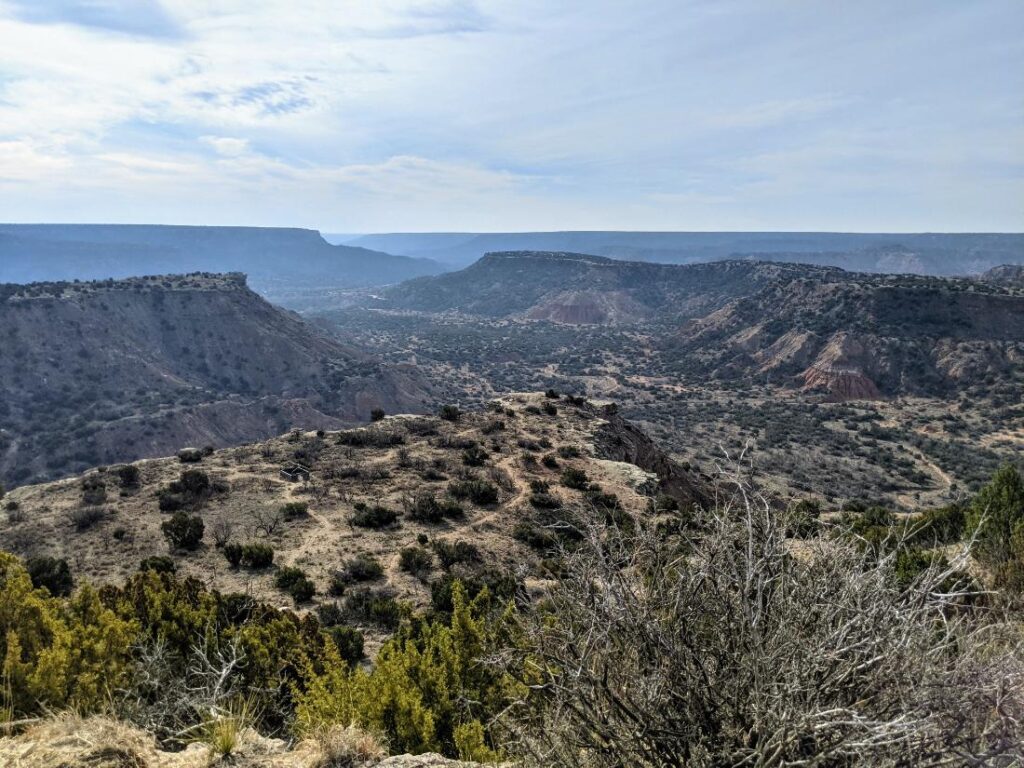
(136,17)
(420,114)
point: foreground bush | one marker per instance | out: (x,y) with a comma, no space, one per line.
(54,653)
(428,690)
(725,649)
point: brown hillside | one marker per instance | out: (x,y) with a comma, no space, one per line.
(517,441)
(102,372)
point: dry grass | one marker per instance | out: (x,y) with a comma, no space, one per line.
(225,732)
(347,747)
(69,741)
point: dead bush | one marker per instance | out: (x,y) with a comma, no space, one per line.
(737,646)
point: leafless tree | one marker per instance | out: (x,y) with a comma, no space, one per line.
(223,529)
(735,646)
(265,521)
(171,699)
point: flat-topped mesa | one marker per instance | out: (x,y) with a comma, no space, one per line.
(557,256)
(192,281)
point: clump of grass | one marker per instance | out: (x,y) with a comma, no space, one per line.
(224,732)
(345,746)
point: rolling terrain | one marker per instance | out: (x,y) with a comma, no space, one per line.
(101,372)
(904,387)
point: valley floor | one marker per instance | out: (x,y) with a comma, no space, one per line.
(906,451)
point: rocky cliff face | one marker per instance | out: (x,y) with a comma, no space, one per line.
(141,367)
(864,337)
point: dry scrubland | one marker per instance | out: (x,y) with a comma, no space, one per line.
(482,462)
(655,616)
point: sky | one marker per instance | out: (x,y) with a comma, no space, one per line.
(508,115)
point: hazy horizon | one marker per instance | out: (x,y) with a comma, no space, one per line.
(490,117)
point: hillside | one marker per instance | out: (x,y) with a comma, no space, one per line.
(866,337)
(1007,274)
(924,253)
(276,260)
(501,472)
(101,372)
(579,289)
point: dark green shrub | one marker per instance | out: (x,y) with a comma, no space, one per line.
(910,563)
(330,614)
(363,567)
(804,520)
(426,508)
(337,584)
(452,553)
(257,556)
(944,525)
(233,554)
(52,573)
(128,476)
(377,414)
(996,514)
(183,531)
(294,510)
(544,501)
(575,478)
(158,564)
(374,606)
(416,561)
(374,517)
(474,456)
(94,490)
(450,413)
(500,587)
(479,492)
(295,582)
(190,455)
(84,518)
(349,642)
(534,536)
(193,482)
(568,451)
(665,503)
(549,461)
(169,502)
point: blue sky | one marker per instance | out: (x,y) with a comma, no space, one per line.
(393,115)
